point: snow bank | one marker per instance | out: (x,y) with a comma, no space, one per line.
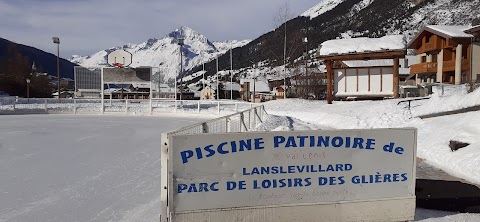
(434,134)
(362,45)
(449,99)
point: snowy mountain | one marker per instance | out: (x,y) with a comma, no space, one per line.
(331,19)
(164,52)
(322,7)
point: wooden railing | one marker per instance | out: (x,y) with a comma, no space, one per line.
(426,67)
(450,65)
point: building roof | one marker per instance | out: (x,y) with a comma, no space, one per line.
(362,45)
(141,85)
(449,31)
(234,86)
(260,85)
(445,31)
(473,29)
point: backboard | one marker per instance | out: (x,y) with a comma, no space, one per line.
(119,58)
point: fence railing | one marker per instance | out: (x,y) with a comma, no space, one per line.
(111,106)
(242,121)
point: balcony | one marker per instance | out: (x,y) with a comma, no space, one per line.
(449,66)
(426,67)
(429,47)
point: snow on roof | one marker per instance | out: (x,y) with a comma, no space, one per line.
(141,85)
(452,31)
(234,86)
(260,86)
(473,29)
(362,45)
(446,31)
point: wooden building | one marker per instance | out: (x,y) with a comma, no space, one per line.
(443,54)
(475,54)
(366,82)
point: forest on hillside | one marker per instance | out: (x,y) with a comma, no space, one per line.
(15,69)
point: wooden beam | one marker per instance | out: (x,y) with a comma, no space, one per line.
(345,71)
(328,63)
(469,72)
(369,79)
(364,67)
(365,56)
(395,77)
(381,79)
(357,79)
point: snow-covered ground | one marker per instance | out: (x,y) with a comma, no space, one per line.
(434,134)
(424,215)
(82,168)
(106,168)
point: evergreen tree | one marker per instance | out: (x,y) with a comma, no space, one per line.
(15,69)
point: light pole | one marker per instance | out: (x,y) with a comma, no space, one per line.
(181,43)
(305,41)
(231,73)
(218,91)
(203,70)
(28,90)
(254,82)
(56,40)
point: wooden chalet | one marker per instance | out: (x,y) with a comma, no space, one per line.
(443,54)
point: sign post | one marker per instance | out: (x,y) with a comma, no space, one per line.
(347,175)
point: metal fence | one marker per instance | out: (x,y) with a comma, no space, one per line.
(242,121)
(111,106)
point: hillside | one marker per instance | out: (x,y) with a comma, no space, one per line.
(346,18)
(46,62)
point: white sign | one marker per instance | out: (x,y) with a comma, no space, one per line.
(218,171)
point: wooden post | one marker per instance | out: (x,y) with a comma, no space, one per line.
(469,72)
(395,77)
(369,79)
(381,79)
(357,79)
(329,81)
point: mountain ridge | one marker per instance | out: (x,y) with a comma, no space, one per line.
(348,18)
(164,52)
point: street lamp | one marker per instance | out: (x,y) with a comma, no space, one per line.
(218,79)
(56,40)
(203,70)
(305,41)
(231,73)
(28,90)
(181,42)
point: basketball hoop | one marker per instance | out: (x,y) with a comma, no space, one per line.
(119,58)
(117,65)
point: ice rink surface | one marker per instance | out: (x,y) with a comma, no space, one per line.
(82,168)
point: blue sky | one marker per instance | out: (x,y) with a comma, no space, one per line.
(88,26)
